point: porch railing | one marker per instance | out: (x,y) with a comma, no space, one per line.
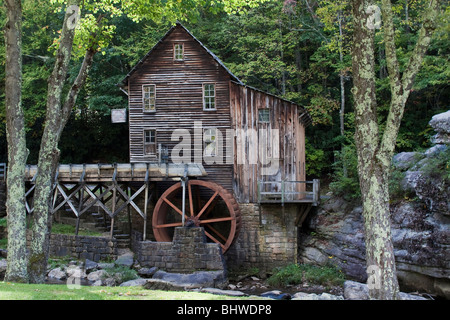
(286,191)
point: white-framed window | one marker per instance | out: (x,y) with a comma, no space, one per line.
(209,96)
(149,97)
(264,116)
(150,142)
(178,52)
(210,142)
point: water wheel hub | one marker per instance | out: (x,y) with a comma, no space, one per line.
(207,205)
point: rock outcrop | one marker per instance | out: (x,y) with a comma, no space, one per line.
(420,222)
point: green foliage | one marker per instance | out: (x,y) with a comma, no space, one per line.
(395,184)
(288,48)
(296,274)
(59,262)
(120,274)
(316,162)
(4,243)
(345,180)
(437,166)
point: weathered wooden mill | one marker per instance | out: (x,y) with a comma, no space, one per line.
(205,150)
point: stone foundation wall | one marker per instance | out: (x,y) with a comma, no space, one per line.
(267,239)
(81,247)
(188,252)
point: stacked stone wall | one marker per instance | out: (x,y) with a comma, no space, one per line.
(188,252)
(267,239)
(81,247)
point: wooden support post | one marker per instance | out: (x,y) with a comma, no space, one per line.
(129,209)
(113,210)
(145,211)
(80,206)
(145,203)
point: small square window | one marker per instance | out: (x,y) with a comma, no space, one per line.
(209,96)
(149,98)
(178,52)
(264,115)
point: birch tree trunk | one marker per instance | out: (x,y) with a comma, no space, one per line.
(375,150)
(17,152)
(56,118)
(342,84)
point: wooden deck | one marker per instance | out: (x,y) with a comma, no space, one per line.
(307,192)
(121,172)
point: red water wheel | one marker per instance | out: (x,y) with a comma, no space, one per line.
(207,205)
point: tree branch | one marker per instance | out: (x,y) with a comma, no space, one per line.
(400,87)
(76,87)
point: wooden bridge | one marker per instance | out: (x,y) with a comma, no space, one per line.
(112,187)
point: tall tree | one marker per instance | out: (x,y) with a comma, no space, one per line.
(375,148)
(17,151)
(57,114)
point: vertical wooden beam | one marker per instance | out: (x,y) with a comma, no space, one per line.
(129,209)
(113,210)
(145,210)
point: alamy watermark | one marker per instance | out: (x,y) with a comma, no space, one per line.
(74,279)
(74,16)
(374,18)
(374,277)
(240,146)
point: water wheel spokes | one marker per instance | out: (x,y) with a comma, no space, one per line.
(207,204)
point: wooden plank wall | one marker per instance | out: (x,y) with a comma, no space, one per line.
(179,99)
(245,103)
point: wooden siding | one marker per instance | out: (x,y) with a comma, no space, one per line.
(179,98)
(284,117)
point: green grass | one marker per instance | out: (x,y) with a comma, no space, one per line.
(18,291)
(59,228)
(295,274)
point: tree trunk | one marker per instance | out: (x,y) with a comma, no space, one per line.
(372,172)
(17,152)
(342,84)
(375,153)
(56,118)
(49,155)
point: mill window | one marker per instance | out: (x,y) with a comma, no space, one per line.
(264,116)
(209,96)
(150,142)
(178,52)
(149,98)
(209,138)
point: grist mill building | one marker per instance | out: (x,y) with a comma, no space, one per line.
(205,150)
(185,105)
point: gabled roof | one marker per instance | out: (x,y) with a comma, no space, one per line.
(305,116)
(179,25)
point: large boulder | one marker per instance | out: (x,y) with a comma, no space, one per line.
(421,240)
(441,124)
(200,279)
(420,233)
(360,291)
